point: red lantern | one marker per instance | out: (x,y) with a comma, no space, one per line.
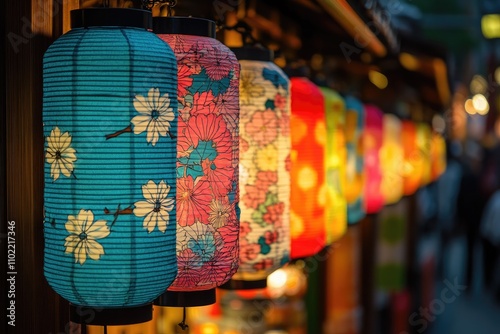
(308,131)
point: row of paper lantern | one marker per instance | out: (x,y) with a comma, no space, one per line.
(173,166)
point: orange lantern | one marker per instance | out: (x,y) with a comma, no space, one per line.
(335,159)
(308,135)
(355,178)
(412,167)
(372,140)
(391,157)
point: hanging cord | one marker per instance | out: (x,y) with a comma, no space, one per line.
(105,329)
(183,324)
(149,4)
(245,30)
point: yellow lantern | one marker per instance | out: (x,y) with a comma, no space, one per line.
(391,157)
(335,160)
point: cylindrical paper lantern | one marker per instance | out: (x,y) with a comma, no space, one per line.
(264,172)
(307,198)
(335,160)
(412,167)
(372,139)
(110,127)
(424,146)
(438,156)
(392,160)
(355,178)
(207,160)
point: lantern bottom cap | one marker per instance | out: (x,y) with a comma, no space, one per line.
(236,284)
(186,298)
(99,316)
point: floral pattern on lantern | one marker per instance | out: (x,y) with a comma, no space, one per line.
(264,177)
(372,139)
(355,178)
(207,162)
(109,131)
(307,198)
(335,159)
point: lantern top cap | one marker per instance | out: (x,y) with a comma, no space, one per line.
(180,25)
(108,17)
(253,53)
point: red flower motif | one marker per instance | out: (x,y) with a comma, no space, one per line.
(184,81)
(188,266)
(217,271)
(193,201)
(244,229)
(264,264)
(217,62)
(262,128)
(253,196)
(203,103)
(266,179)
(249,252)
(285,125)
(270,237)
(244,146)
(274,214)
(280,101)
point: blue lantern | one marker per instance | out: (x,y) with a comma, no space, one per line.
(355,176)
(110,128)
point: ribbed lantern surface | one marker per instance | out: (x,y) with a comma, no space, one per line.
(307,199)
(335,160)
(110,128)
(207,159)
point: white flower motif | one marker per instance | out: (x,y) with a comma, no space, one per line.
(155,115)
(59,154)
(156,207)
(83,234)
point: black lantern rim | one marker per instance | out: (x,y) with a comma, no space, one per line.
(111,17)
(186,298)
(253,53)
(180,25)
(119,316)
(236,284)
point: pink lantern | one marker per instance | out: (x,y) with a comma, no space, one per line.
(372,142)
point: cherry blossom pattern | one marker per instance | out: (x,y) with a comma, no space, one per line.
(60,155)
(157,206)
(155,115)
(83,235)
